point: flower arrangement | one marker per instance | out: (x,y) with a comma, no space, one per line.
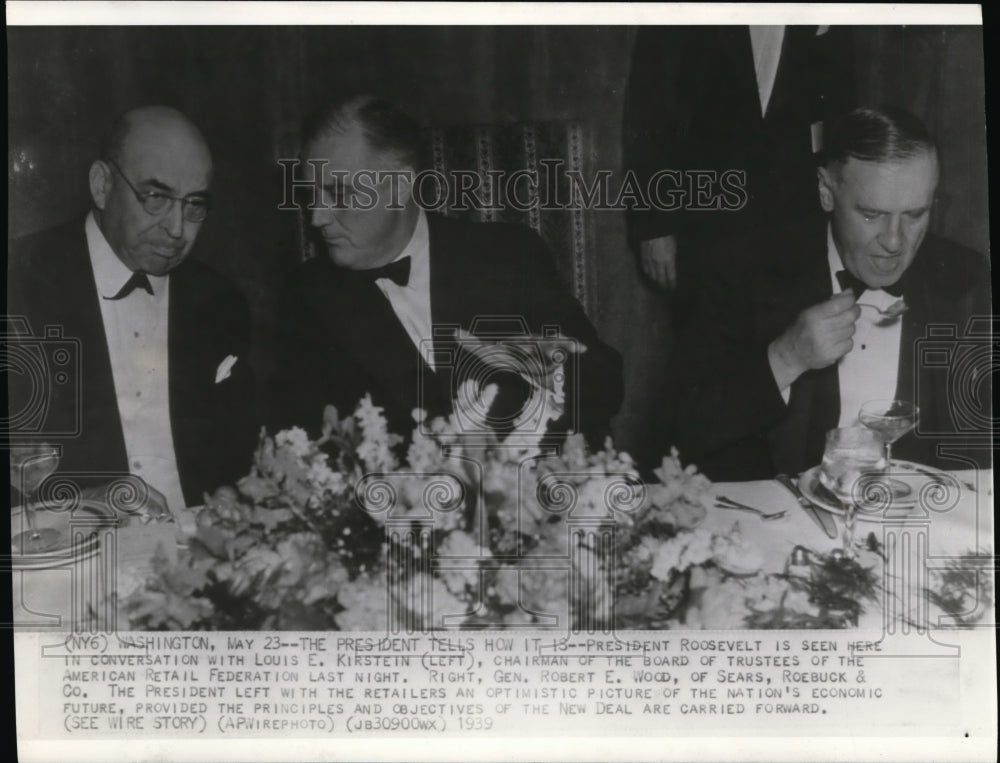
(346,532)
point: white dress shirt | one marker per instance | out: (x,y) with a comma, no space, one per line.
(412,303)
(870,370)
(136,331)
(766,43)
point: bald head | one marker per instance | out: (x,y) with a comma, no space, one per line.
(150,128)
(151,151)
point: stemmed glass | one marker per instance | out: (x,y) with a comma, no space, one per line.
(850,454)
(29,466)
(890,419)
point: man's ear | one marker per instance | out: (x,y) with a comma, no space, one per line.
(827,181)
(100,183)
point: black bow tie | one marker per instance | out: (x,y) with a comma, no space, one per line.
(848,280)
(137,281)
(397,271)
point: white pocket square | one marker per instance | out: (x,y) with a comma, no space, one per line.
(225,368)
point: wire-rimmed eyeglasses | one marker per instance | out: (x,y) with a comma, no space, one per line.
(193,208)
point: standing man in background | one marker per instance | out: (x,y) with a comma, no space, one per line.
(708,100)
(751,99)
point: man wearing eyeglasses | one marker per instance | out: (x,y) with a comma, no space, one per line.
(165,390)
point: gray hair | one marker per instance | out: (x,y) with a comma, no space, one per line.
(877,135)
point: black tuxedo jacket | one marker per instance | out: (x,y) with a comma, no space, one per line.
(732,420)
(692,104)
(341,338)
(51,283)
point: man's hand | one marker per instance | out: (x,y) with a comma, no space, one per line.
(505,356)
(821,335)
(658,258)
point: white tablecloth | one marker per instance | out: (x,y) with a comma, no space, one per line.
(966,527)
(42,598)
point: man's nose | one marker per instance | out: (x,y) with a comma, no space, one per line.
(173,220)
(321,215)
(892,235)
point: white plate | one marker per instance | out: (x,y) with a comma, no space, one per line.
(91,516)
(913,477)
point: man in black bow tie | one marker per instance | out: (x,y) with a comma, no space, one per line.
(825,314)
(407,305)
(161,388)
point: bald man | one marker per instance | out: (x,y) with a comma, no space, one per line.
(158,384)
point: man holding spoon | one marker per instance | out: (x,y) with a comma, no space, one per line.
(824,314)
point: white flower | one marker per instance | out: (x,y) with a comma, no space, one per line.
(680,552)
(375,450)
(593,498)
(443,602)
(262,560)
(723,606)
(500,479)
(296,440)
(472,406)
(321,477)
(424,453)
(460,544)
(129,581)
(734,554)
(365,604)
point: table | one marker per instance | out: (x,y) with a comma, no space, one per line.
(923,541)
(43,599)
(966,527)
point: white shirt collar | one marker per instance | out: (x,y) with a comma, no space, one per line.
(418,244)
(110,273)
(878,297)
(766,44)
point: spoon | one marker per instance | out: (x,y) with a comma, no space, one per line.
(891,313)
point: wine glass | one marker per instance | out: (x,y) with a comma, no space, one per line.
(890,420)
(29,466)
(850,454)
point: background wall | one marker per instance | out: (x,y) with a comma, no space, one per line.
(248,88)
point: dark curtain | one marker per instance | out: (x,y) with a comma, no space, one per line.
(248,89)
